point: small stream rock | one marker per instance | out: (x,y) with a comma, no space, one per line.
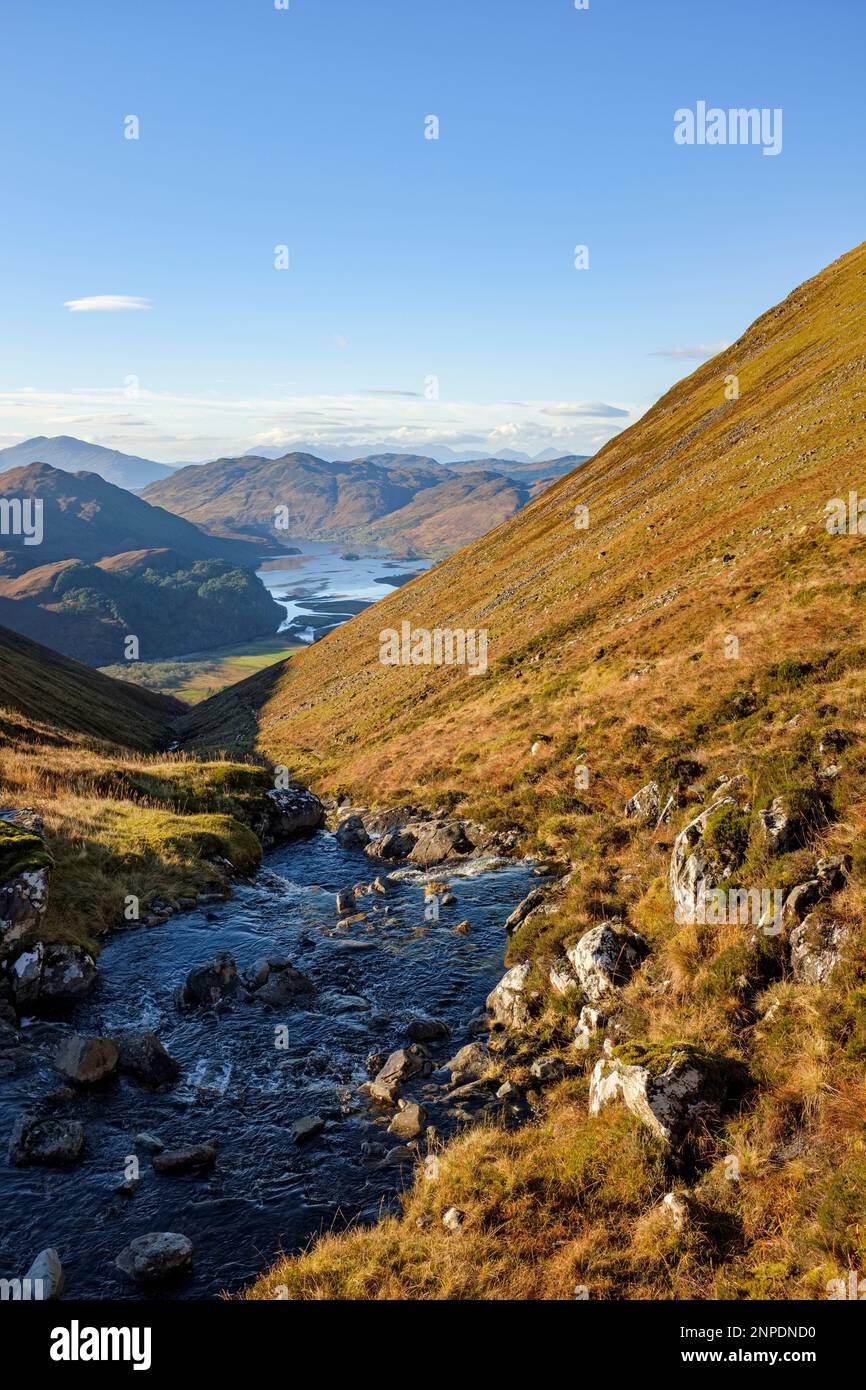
(157,1256)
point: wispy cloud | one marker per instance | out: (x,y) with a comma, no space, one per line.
(585,410)
(385,391)
(106,303)
(698,353)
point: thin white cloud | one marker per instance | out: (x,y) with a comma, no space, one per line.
(203,426)
(585,410)
(106,303)
(698,353)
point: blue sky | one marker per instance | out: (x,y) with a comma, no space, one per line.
(409,258)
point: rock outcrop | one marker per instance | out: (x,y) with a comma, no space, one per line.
(645,806)
(25,869)
(816,946)
(533,900)
(509,1000)
(694,873)
(605,958)
(48,975)
(668,1088)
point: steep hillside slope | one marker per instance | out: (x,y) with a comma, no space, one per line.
(76,455)
(86,518)
(47,687)
(80,755)
(399,501)
(700,640)
(705,519)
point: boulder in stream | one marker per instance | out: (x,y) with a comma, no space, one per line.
(194,1158)
(46,1275)
(49,1143)
(209,983)
(409,1121)
(86,1061)
(156,1256)
(142,1055)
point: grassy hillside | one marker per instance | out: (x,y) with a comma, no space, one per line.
(120,816)
(705,624)
(51,689)
(202,674)
(86,518)
(169,603)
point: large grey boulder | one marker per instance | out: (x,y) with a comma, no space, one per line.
(49,1143)
(509,1000)
(645,806)
(816,946)
(68,972)
(605,958)
(86,1061)
(284,984)
(668,1089)
(159,1255)
(435,844)
(394,844)
(48,975)
(142,1055)
(469,1064)
(351,833)
(292,811)
(693,872)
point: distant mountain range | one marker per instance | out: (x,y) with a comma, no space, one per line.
(130,471)
(404,502)
(439,453)
(75,455)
